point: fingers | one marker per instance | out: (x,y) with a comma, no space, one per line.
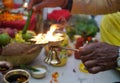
(108,65)
(42,5)
(87,57)
(37,5)
(90,63)
(32,3)
(98,57)
(94,66)
(95,69)
(47,3)
(87,49)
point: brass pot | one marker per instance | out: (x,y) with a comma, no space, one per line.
(13,75)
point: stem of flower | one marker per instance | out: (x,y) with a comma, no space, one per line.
(27,22)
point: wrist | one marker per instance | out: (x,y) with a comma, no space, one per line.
(67,4)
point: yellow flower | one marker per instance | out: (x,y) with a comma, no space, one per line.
(82,68)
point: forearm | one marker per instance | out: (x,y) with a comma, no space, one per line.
(95,7)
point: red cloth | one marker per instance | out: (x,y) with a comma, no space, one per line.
(58,15)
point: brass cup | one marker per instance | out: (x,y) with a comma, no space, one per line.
(16,72)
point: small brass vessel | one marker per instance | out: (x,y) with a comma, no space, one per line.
(16,76)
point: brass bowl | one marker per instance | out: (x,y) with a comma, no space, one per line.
(20,53)
(55,43)
(17,75)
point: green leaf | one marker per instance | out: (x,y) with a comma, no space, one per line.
(28,67)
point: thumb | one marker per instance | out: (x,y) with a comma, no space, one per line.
(46,3)
(32,3)
(39,7)
(87,49)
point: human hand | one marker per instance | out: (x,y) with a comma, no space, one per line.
(99,57)
(37,5)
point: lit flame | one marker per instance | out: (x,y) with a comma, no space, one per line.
(50,36)
(39,39)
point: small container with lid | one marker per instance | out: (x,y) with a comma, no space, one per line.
(40,73)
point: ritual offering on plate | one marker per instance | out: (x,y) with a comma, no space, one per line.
(15,34)
(19,43)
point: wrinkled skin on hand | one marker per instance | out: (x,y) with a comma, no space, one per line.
(99,57)
(37,5)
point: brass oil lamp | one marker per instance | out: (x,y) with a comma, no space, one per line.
(52,39)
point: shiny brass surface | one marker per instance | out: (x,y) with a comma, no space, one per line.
(52,57)
(17,71)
